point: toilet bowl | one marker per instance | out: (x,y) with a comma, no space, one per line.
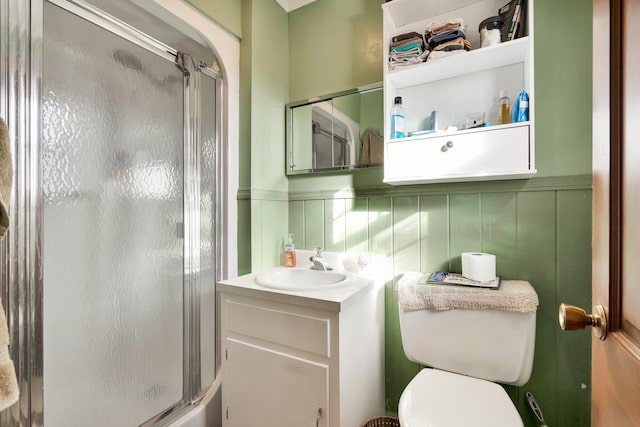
(444,399)
(467,352)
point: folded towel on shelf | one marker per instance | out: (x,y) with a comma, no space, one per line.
(457,44)
(407,49)
(409,42)
(6,177)
(513,296)
(435,55)
(444,37)
(408,57)
(449,24)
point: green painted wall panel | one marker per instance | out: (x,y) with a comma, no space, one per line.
(434,233)
(498,228)
(314,224)
(274,232)
(296,223)
(244,237)
(406,257)
(406,229)
(465,230)
(573,382)
(256,235)
(540,236)
(357,225)
(334,225)
(380,228)
(536,252)
(381,243)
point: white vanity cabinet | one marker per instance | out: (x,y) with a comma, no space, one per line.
(301,358)
(454,87)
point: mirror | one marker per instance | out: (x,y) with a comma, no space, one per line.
(336,132)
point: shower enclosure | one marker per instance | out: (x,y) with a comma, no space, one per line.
(109,267)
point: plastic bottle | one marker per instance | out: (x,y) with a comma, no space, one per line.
(505,108)
(289,253)
(521,108)
(397,119)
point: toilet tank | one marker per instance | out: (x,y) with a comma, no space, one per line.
(493,345)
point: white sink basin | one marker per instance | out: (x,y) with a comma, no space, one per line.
(301,279)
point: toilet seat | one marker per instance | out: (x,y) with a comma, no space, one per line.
(437,398)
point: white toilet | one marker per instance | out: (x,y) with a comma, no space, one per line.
(466,351)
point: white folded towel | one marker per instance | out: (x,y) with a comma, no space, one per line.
(6,177)
(9,392)
(513,296)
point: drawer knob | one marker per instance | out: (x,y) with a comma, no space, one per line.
(446,146)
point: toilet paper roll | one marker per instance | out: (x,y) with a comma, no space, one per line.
(479,266)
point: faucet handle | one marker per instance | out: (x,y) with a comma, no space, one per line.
(318,251)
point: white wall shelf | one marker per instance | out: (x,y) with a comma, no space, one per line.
(511,52)
(454,87)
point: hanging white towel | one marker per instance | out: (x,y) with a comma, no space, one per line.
(6,177)
(9,392)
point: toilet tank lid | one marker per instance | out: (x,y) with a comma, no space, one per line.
(512,296)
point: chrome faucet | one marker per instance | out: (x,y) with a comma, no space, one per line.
(319,263)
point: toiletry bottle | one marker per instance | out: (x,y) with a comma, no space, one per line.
(397,119)
(289,253)
(523,107)
(505,108)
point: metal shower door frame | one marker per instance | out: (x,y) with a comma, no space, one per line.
(21,62)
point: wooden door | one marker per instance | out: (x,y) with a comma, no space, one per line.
(616,211)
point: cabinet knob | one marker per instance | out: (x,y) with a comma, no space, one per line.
(318,417)
(446,146)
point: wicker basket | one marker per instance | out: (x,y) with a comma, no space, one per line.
(382,422)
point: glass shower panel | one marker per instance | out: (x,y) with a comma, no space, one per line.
(207,230)
(112,249)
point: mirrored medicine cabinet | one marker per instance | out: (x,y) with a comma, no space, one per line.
(342,131)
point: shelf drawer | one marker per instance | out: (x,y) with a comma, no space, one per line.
(295,330)
(487,154)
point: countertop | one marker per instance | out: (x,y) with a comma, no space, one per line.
(336,298)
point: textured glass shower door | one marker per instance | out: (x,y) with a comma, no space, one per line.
(113,262)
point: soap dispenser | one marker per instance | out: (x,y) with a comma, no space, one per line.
(289,253)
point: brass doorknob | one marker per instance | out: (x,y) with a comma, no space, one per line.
(572,318)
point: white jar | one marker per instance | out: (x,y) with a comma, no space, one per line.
(490,31)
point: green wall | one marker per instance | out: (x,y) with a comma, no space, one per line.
(540,229)
(227,13)
(334,45)
(263,199)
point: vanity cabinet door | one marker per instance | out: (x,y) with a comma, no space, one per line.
(265,387)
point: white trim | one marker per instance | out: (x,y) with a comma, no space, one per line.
(289,5)
(227,47)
